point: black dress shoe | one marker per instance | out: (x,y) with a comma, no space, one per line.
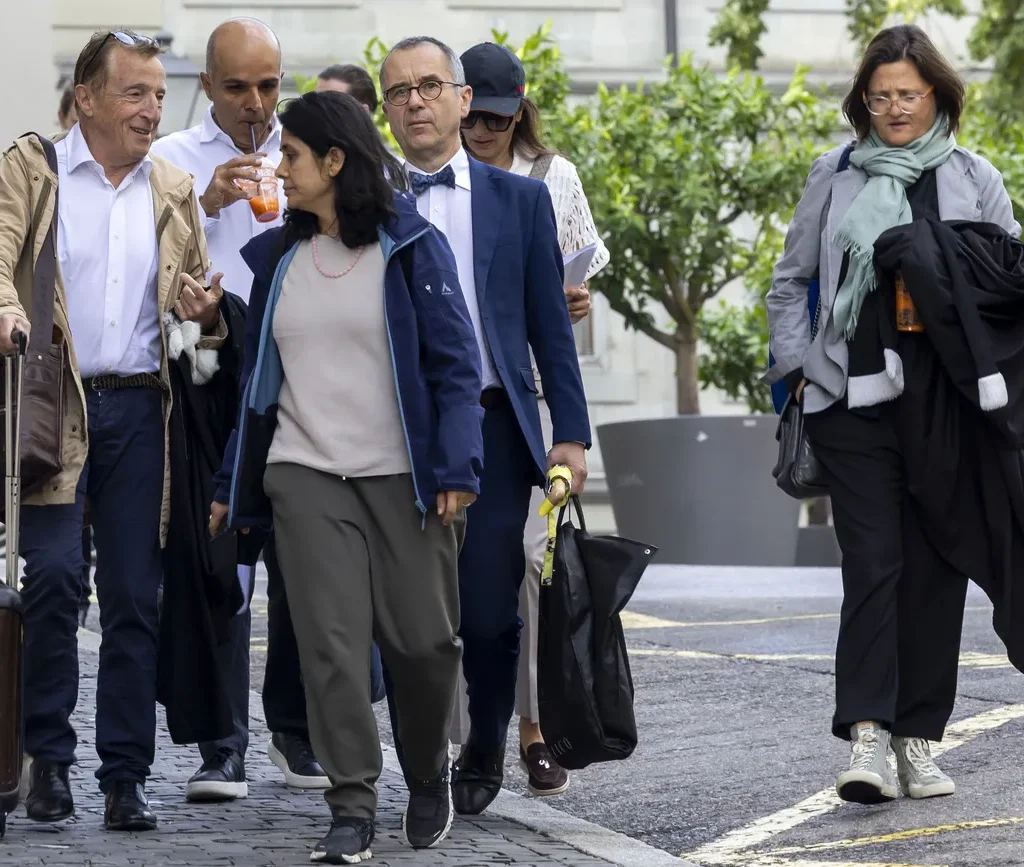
(294,758)
(476,779)
(127,808)
(222,778)
(49,797)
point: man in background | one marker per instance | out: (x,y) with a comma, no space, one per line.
(243,82)
(351,79)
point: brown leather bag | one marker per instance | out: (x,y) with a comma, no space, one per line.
(45,365)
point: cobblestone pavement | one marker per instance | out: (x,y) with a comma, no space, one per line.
(274,827)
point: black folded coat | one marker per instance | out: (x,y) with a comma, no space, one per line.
(201,589)
(966,280)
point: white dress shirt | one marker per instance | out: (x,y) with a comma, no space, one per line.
(451,211)
(199,151)
(106,244)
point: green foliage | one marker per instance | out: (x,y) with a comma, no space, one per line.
(998,136)
(304,83)
(998,36)
(672,171)
(739,27)
(736,352)
(740,24)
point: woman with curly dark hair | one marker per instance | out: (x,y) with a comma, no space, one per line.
(360,437)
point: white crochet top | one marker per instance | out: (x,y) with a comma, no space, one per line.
(576,227)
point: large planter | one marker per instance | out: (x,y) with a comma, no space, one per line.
(701,489)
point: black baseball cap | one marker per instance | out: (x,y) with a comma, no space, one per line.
(496,76)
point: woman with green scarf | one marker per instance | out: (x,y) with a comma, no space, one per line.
(897,655)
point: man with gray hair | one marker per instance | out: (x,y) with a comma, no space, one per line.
(118,269)
(502,230)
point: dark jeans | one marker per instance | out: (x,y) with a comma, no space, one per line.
(123,478)
(491,567)
(898,651)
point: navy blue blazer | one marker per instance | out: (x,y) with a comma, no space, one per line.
(517,265)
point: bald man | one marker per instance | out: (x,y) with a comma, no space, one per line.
(243,82)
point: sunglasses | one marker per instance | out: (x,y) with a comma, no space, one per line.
(122,36)
(493,122)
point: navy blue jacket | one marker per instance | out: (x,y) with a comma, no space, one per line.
(434,353)
(517,267)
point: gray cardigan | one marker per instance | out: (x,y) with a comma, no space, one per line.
(969,188)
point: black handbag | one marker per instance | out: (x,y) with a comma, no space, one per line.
(584,683)
(798,471)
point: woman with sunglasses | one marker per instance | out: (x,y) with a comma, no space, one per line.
(897,654)
(503,129)
(361,439)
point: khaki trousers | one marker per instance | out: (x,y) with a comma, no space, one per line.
(359,565)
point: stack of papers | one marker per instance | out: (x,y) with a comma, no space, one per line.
(576,266)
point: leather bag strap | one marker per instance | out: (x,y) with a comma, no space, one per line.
(44,272)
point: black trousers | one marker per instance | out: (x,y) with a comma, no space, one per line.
(898,651)
(284,698)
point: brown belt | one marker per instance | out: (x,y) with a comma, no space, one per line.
(111,381)
(492,398)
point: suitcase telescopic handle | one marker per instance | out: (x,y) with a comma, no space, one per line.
(20,340)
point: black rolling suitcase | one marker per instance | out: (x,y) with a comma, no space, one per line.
(12,717)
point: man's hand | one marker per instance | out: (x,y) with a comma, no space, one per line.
(10,323)
(579,302)
(197,304)
(449,502)
(574,456)
(223,190)
(218,516)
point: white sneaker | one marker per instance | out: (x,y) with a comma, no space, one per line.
(870,779)
(919,776)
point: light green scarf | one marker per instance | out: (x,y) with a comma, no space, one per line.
(881,205)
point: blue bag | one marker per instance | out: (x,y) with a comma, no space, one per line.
(780,391)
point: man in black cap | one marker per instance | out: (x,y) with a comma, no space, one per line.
(501,228)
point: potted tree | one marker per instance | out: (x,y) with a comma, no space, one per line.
(692,179)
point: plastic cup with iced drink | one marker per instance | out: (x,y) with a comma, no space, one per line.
(263,200)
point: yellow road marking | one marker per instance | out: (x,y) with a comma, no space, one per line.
(968,659)
(772,861)
(635,620)
(899,836)
(734,847)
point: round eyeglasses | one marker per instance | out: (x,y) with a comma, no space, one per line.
(908,103)
(428,91)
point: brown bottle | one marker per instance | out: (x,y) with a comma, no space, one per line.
(907,317)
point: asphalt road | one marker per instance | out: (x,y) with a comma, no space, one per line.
(736,766)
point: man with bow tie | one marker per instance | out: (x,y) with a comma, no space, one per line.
(501,228)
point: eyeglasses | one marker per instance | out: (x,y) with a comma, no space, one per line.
(428,91)
(122,36)
(908,103)
(493,122)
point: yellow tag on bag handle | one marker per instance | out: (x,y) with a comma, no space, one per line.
(559,488)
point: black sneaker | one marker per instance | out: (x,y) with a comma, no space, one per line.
(348,842)
(222,778)
(294,758)
(428,818)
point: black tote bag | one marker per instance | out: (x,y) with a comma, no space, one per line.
(584,685)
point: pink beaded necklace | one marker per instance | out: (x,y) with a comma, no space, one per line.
(328,274)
